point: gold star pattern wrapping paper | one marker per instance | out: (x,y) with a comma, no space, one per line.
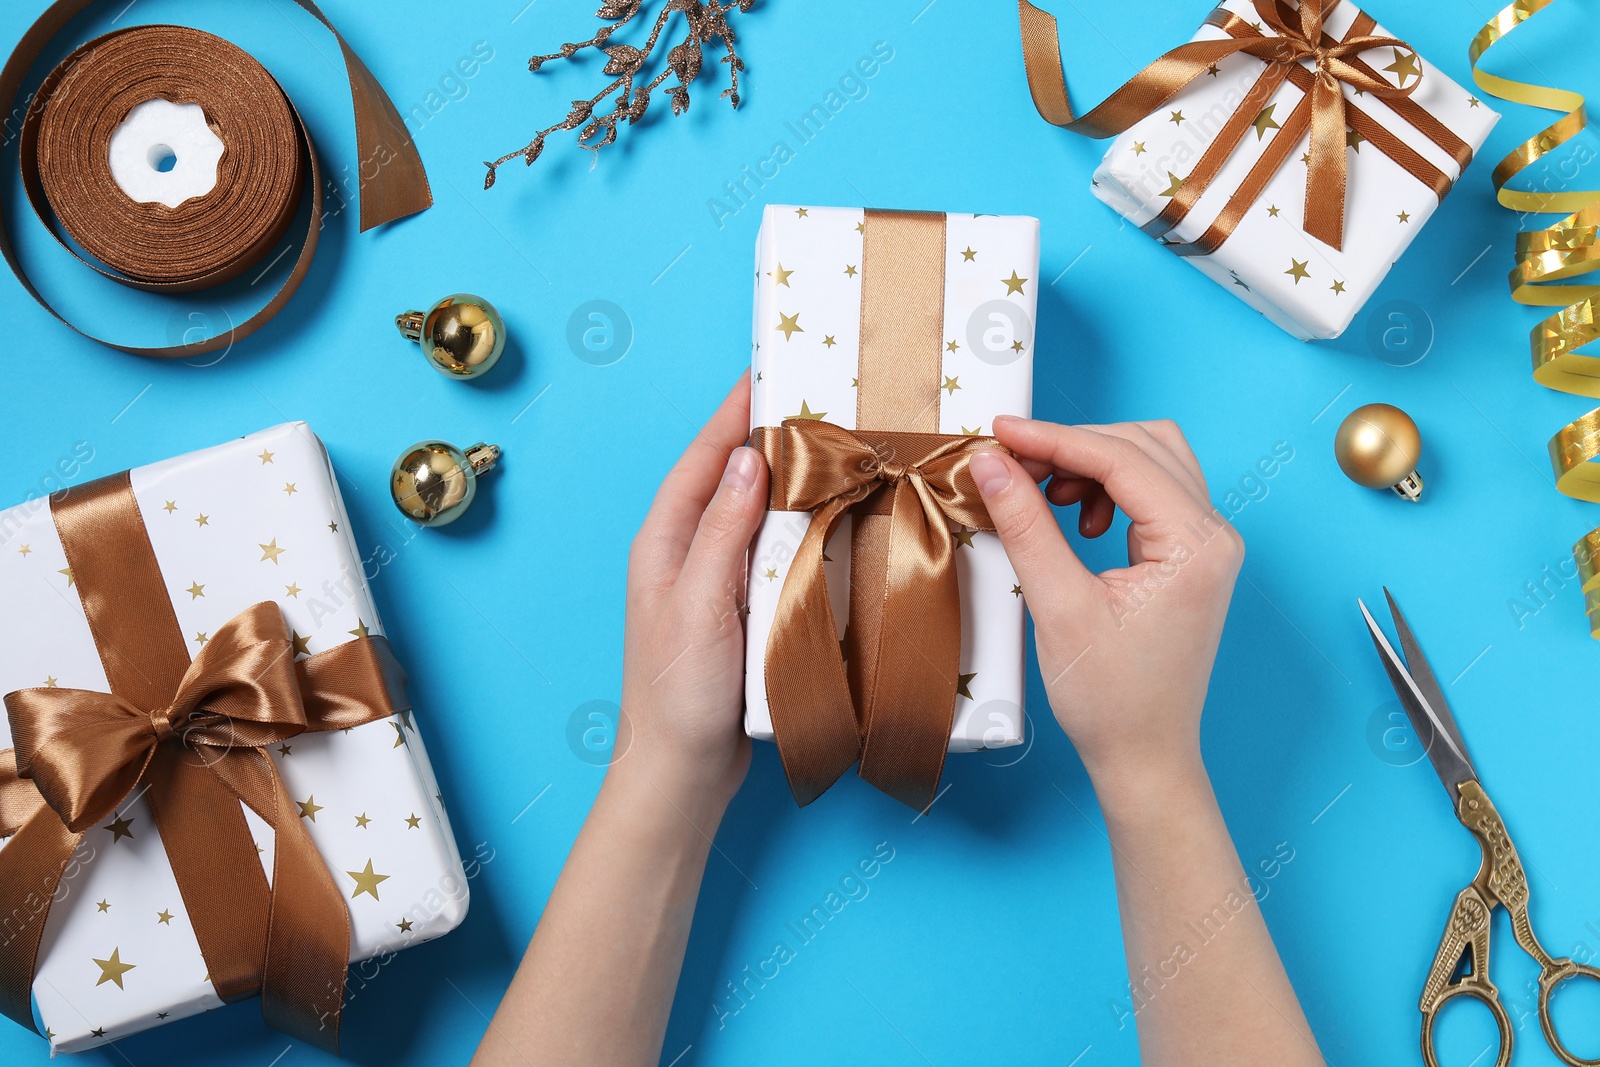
(1146,165)
(991,272)
(108,972)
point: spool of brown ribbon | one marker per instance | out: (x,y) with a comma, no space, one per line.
(267,160)
(205,240)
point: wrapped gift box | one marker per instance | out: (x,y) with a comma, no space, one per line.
(806,360)
(257,519)
(1304,286)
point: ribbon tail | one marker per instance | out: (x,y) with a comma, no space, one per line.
(1041,59)
(1325,176)
(912,706)
(1143,93)
(813,718)
(35,861)
(308,940)
(214,861)
(399,185)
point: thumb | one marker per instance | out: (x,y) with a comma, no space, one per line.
(714,566)
(1027,527)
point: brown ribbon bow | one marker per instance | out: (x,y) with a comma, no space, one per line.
(923,481)
(1300,39)
(87,751)
(188,736)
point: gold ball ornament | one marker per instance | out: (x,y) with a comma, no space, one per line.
(462,335)
(1378,446)
(433,482)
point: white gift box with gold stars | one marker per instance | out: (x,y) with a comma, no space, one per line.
(1306,287)
(806,350)
(257,519)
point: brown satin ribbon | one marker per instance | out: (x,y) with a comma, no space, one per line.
(140,64)
(918,483)
(898,374)
(1299,38)
(1283,143)
(190,736)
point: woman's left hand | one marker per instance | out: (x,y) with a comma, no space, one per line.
(683,665)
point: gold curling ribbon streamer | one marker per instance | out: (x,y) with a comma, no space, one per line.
(190,734)
(1566,250)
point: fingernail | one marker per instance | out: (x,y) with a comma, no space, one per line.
(741,470)
(990,472)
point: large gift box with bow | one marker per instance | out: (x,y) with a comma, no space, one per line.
(1290,152)
(885,621)
(211,783)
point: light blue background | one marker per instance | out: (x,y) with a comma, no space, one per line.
(992,936)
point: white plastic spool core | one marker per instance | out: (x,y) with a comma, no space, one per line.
(165,153)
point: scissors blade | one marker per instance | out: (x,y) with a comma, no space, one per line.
(1445,752)
(1422,673)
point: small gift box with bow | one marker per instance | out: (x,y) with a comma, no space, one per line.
(1291,152)
(886,623)
(211,782)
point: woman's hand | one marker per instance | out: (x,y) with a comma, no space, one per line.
(1126,657)
(683,684)
(1126,654)
(596,984)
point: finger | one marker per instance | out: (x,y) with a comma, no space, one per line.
(1038,470)
(670,526)
(1064,491)
(1138,484)
(713,570)
(1168,433)
(1096,513)
(1132,432)
(1138,433)
(1095,510)
(1027,527)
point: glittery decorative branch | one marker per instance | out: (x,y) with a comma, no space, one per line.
(707,24)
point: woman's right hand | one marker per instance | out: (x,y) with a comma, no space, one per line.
(1126,654)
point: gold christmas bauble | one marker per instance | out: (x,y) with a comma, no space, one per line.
(433,482)
(462,335)
(1378,446)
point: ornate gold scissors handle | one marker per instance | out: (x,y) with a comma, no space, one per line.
(1461,966)
(1464,948)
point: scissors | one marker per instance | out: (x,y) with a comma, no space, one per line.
(1461,968)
